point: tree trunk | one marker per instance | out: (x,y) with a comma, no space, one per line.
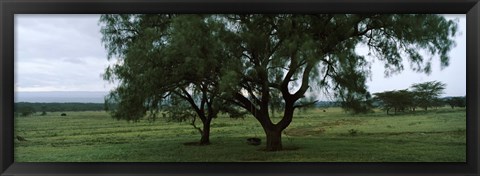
(274,140)
(205,140)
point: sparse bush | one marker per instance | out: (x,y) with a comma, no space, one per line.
(26,110)
(353,132)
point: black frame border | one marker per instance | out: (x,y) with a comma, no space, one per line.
(10,7)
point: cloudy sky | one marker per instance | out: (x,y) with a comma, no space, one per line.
(65,53)
(59,53)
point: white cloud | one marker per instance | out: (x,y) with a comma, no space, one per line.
(59,53)
(61,75)
(53,36)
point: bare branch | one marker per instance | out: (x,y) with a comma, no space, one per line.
(195,126)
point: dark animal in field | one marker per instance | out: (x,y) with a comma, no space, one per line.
(254,141)
(63,114)
(20,138)
(324,110)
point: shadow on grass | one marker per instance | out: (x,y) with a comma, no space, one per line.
(195,144)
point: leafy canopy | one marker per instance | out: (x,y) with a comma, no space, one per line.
(247,59)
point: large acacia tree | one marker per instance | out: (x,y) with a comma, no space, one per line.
(287,55)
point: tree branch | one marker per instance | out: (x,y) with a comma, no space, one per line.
(189,98)
(291,71)
(305,82)
(195,126)
(247,104)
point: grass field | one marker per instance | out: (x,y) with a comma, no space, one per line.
(314,136)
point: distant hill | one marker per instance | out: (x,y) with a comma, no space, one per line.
(61,97)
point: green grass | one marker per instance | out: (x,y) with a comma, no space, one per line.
(314,136)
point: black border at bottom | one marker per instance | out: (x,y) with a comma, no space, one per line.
(300,169)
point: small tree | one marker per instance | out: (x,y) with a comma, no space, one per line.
(427,94)
(26,110)
(167,58)
(44,110)
(400,100)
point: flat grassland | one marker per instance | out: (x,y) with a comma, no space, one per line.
(437,135)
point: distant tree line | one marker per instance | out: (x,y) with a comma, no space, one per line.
(423,95)
(456,101)
(26,109)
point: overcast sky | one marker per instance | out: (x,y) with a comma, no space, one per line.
(65,53)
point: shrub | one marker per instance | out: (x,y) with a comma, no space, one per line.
(353,132)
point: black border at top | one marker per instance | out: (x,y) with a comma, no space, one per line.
(10,7)
(238,6)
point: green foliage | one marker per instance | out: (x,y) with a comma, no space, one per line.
(399,100)
(25,110)
(179,110)
(247,60)
(169,63)
(422,95)
(356,103)
(117,102)
(160,56)
(456,102)
(427,93)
